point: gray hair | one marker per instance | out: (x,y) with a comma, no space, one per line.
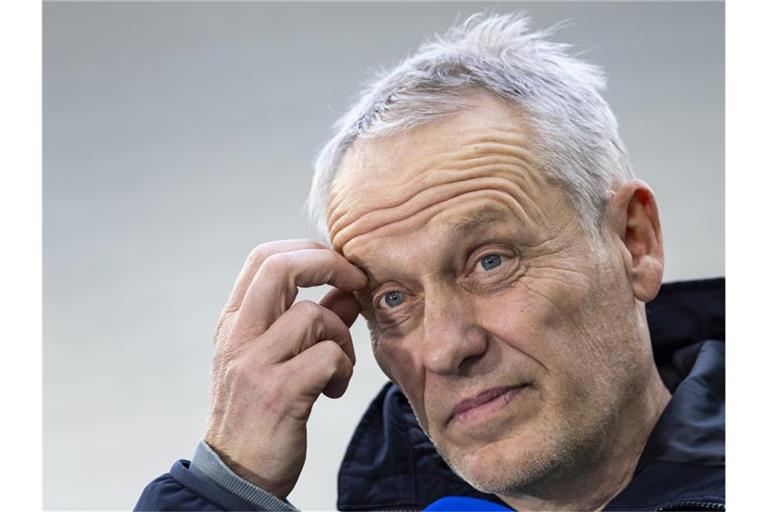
(576,134)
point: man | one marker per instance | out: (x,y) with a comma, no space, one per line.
(484,219)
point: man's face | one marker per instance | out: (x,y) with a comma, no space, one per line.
(512,337)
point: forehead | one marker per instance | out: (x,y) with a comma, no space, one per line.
(457,164)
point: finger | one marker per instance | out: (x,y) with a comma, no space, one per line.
(303,325)
(256,258)
(322,368)
(275,286)
(343,304)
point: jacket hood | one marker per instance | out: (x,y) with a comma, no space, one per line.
(391,464)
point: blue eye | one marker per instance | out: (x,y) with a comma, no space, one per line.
(394,299)
(490,262)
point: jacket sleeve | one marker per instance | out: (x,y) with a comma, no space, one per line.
(180,489)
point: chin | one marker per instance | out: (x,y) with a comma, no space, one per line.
(505,467)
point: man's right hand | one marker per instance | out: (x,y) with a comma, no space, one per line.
(273,358)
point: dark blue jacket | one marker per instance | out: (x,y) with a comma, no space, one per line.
(390,463)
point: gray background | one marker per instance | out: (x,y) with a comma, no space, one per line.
(177,136)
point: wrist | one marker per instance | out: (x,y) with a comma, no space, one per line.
(207,465)
(278,489)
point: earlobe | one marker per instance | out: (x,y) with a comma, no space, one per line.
(634,216)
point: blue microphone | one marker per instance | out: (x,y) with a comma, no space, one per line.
(460,504)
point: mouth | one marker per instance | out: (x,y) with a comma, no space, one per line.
(485,404)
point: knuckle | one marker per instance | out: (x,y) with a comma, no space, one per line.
(276,264)
(310,310)
(261,253)
(258,253)
(339,366)
(334,353)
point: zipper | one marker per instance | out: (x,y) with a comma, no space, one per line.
(692,505)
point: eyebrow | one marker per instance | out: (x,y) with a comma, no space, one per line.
(478,219)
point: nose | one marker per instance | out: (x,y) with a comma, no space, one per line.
(451,339)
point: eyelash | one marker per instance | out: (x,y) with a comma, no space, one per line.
(477,263)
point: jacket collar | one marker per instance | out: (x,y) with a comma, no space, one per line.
(683,463)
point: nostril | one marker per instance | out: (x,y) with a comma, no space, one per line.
(466,366)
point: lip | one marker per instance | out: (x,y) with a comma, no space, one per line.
(485,403)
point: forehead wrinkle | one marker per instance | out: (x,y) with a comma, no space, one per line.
(500,196)
(442,183)
(472,151)
(375,220)
(512,163)
(391,169)
(492,165)
(484,144)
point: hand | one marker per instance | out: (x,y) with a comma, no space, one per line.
(273,358)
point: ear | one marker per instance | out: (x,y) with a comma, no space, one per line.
(633,217)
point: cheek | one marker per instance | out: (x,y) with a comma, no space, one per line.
(400,363)
(542,319)
(525,316)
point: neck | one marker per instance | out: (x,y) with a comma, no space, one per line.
(593,484)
